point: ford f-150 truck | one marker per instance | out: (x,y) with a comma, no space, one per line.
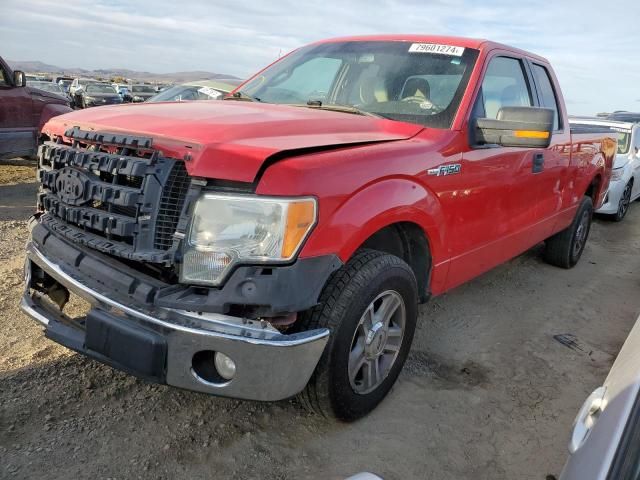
(23,112)
(279,242)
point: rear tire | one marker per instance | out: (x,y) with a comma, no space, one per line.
(365,353)
(623,204)
(565,248)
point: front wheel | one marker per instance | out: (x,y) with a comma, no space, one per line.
(370,306)
(565,248)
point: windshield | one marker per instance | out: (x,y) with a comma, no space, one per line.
(65,83)
(623,142)
(143,89)
(397,80)
(181,93)
(100,88)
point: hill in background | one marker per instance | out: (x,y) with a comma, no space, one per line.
(175,77)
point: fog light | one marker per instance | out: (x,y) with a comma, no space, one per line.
(224,365)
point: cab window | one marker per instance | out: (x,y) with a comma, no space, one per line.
(547,94)
(504,85)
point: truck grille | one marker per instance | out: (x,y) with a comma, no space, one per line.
(113,193)
(171,204)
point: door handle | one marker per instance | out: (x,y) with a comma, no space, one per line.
(538,163)
(587,418)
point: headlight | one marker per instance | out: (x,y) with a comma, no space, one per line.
(138,99)
(226,230)
(616,174)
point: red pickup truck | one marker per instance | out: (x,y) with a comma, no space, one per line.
(23,112)
(279,242)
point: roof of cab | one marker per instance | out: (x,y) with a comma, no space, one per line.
(477,43)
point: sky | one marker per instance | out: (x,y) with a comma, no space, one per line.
(593,45)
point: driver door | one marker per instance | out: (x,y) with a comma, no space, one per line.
(497,203)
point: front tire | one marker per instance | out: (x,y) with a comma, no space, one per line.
(370,306)
(565,248)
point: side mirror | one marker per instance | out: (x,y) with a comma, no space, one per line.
(515,127)
(19,78)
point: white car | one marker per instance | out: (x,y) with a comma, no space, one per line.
(625,177)
(606,432)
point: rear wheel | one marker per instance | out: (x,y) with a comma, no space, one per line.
(623,204)
(370,307)
(565,248)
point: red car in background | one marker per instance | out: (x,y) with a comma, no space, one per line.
(23,112)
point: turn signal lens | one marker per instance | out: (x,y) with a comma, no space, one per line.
(300,218)
(530,134)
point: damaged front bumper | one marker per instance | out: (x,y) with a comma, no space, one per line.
(168,345)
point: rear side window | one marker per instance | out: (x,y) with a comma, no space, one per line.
(504,85)
(4,81)
(547,95)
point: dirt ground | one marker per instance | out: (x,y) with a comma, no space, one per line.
(498,370)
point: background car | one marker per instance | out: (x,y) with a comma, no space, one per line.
(139,93)
(606,431)
(64,82)
(96,94)
(199,90)
(623,116)
(78,84)
(624,186)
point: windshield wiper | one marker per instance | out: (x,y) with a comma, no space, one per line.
(240,95)
(338,108)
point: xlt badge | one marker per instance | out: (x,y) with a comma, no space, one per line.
(451,169)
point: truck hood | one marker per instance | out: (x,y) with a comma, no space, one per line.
(232,140)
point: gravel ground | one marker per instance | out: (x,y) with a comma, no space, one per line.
(488,391)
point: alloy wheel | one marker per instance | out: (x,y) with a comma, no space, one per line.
(376,342)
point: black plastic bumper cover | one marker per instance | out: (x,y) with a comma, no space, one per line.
(115,342)
(272,290)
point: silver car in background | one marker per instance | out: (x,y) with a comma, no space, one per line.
(198,90)
(624,187)
(605,441)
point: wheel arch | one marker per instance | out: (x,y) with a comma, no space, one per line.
(595,191)
(408,241)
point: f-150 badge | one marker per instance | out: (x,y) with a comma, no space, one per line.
(451,169)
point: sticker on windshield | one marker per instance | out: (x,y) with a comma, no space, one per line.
(210,92)
(437,48)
